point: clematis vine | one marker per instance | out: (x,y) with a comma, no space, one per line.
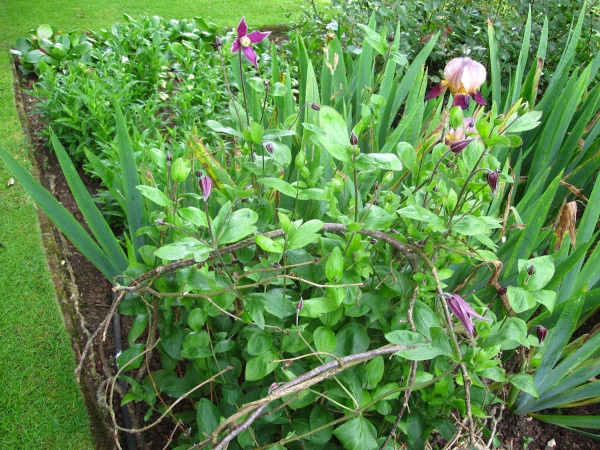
(463,76)
(463,311)
(244,41)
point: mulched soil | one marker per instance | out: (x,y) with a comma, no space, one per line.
(85,298)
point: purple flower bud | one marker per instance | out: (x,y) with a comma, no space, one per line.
(206,186)
(353,138)
(459,146)
(391,37)
(218,41)
(315,106)
(541,333)
(492,180)
(199,173)
(168,156)
(300,304)
(376,186)
(160,222)
(531,270)
(270,147)
(502,290)
(463,311)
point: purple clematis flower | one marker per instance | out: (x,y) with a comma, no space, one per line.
(464,312)
(206,186)
(245,41)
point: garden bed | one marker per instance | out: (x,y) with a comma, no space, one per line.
(85,298)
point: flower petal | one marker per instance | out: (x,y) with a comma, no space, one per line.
(235,46)
(242,28)
(461,100)
(478,98)
(250,54)
(473,75)
(459,146)
(435,91)
(257,36)
(456,304)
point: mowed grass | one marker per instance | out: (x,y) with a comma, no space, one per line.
(40,403)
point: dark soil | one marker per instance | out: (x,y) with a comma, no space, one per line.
(85,298)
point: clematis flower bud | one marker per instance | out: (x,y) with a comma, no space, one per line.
(502,290)
(391,37)
(315,106)
(206,186)
(541,333)
(459,146)
(492,180)
(169,157)
(219,42)
(531,270)
(269,147)
(353,138)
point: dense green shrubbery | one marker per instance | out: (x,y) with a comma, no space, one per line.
(462,27)
(338,220)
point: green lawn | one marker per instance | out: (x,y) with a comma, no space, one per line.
(41,405)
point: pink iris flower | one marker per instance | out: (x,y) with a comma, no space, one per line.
(245,41)
(463,76)
(464,312)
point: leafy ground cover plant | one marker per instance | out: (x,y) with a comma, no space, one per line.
(52,48)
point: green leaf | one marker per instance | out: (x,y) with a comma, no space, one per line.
(335,140)
(325,339)
(422,350)
(307,233)
(139,325)
(197,319)
(367,162)
(374,370)
(224,346)
(519,299)
(351,338)
(424,215)
(239,225)
(526,122)
(59,215)
(93,217)
(259,343)
(180,169)
(268,244)
(207,418)
(334,267)
(131,358)
(44,31)
(155,195)
(544,271)
(375,40)
(216,126)
(183,248)
(525,383)
(194,215)
(280,185)
(196,345)
(260,366)
(320,416)
(134,206)
(316,307)
(357,434)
